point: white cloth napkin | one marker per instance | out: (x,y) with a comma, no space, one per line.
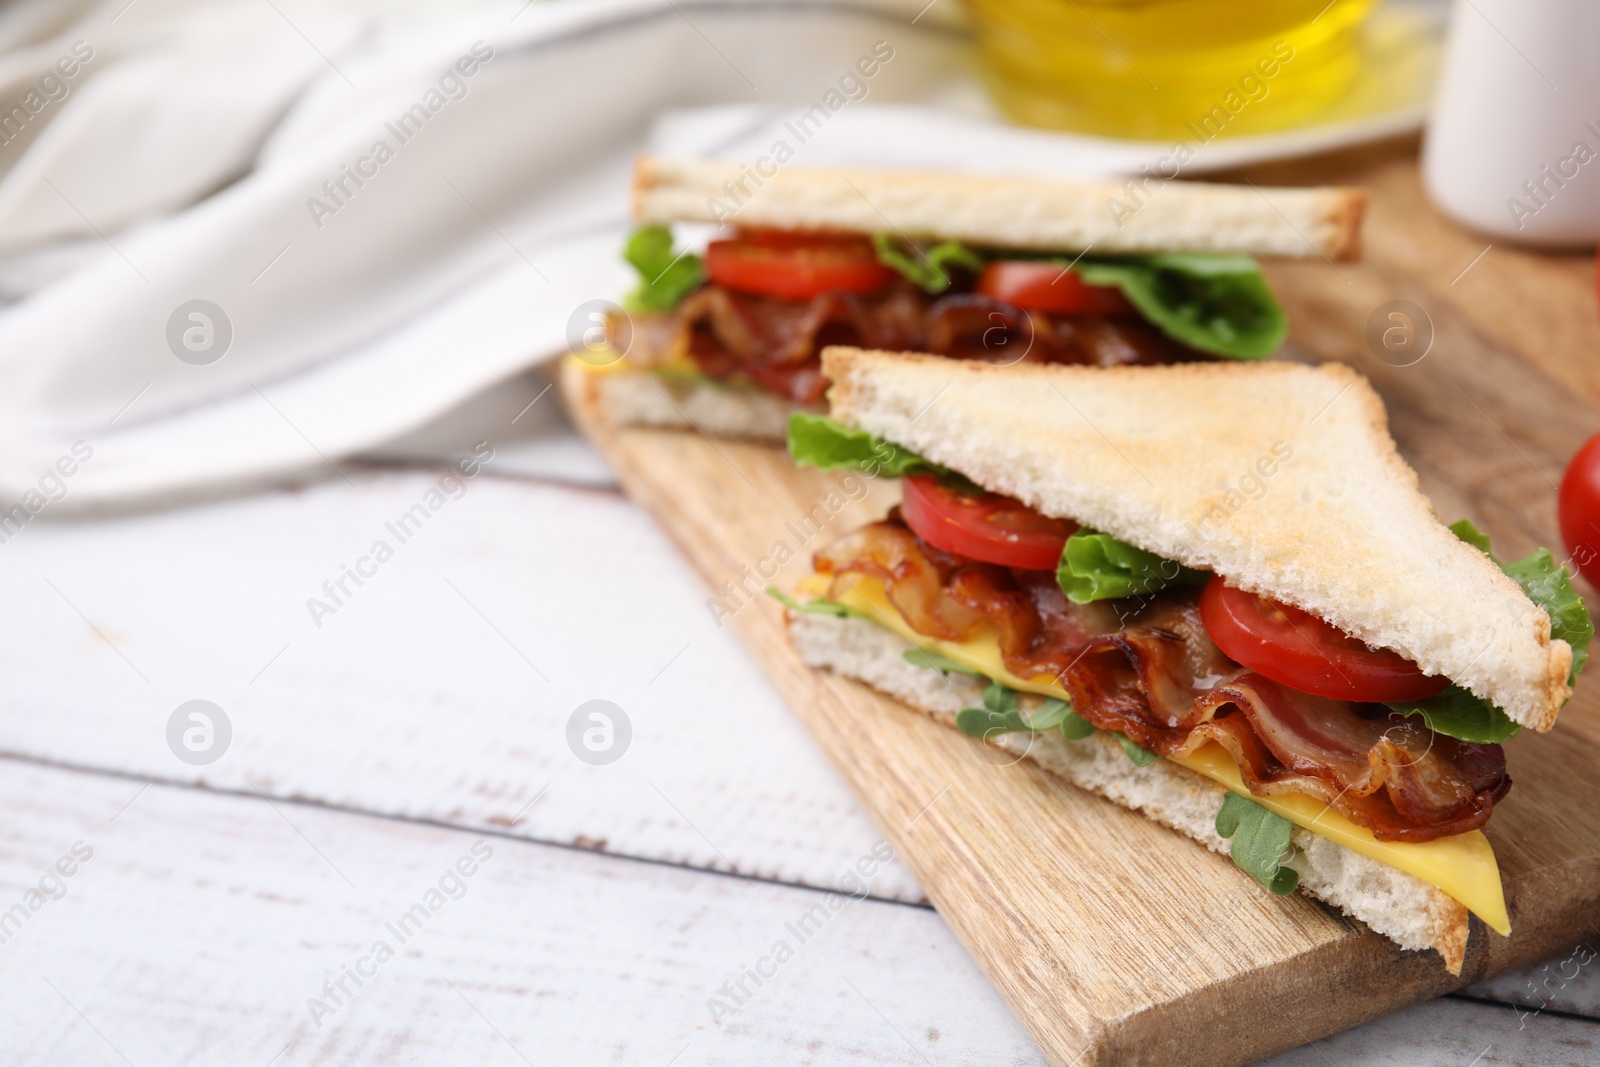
(214,150)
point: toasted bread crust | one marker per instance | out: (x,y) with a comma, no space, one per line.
(643,398)
(1341,228)
(1279,476)
(1039,214)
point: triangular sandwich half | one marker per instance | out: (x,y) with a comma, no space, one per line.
(1210,592)
(725,336)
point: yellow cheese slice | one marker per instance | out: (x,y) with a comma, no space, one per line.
(678,366)
(600,361)
(1463,865)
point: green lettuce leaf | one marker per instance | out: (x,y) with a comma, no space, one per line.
(814,607)
(1547,585)
(936,661)
(818,441)
(1141,757)
(1096,566)
(1460,714)
(1216,303)
(664,278)
(1468,531)
(930,268)
(1457,713)
(1260,841)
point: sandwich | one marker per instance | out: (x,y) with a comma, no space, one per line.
(998,269)
(1212,593)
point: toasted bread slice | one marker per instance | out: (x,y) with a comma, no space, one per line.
(1039,214)
(1398,905)
(1281,477)
(642,398)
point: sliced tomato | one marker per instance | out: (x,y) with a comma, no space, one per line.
(796,266)
(1037,285)
(1300,650)
(987,527)
(1579,509)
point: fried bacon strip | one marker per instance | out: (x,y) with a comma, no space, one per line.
(1146,668)
(777,343)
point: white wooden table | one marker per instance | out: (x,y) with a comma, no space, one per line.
(300,900)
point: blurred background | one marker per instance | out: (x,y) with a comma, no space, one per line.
(267,158)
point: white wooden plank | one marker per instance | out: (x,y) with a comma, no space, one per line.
(442,687)
(1453,1033)
(1569,983)
(202,925)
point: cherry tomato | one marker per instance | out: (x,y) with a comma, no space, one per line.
(1579,509)
(1300,650)
(988,527)
(796,266)
(1040,286)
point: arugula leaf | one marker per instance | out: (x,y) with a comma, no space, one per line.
(664,279)
(1141,757)
(1459,714)
(999,700)
(1547,585)
(1075,727)
(1051,714)
(937,661)
(1096,566)
(1260,841)
(818,441)
(930,268)
(1216,303)
(983,724)
(818,606)
(1000,714)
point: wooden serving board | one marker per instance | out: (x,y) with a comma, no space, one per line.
(1114,940)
